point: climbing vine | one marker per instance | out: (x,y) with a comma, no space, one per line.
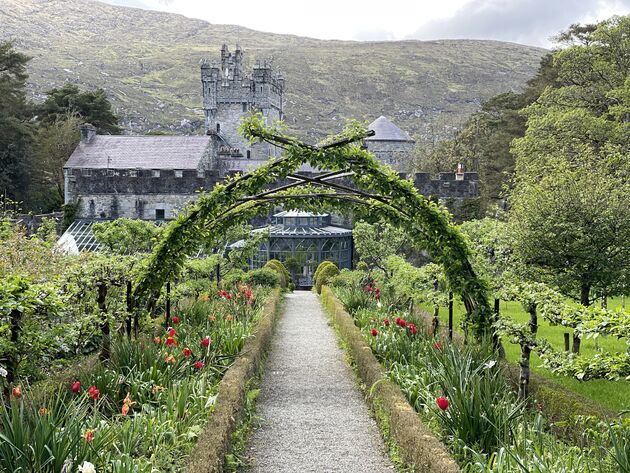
(376,191)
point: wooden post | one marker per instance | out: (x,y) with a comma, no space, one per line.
(168,305)
(218,274)
(566,342)
(450,316)
(129,309)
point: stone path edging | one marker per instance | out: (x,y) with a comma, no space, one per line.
(208,455)
(418,446)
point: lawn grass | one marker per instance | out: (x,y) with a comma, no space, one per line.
(613,395)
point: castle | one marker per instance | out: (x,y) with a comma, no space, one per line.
(154,177)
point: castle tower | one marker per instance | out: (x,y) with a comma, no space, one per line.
(229,95)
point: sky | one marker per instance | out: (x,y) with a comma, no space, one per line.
(532,22)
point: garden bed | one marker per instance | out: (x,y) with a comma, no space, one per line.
(464,396)
(146,407)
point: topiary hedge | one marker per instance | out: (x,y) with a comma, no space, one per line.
(285,276)
(262,277)
(319,269)
(325,276)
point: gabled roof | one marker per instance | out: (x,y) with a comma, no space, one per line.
(387,131)
(140,152)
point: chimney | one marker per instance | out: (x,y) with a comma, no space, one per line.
(88,132)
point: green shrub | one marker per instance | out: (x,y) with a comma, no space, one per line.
(320,268)
(362,266)
(262,277)
(232,278)
(347,278)
(285,276)
(325,276)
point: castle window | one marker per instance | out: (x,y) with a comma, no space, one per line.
(218,128)
(133,173)
(179,173)
(159,214)
(249,154)
(86,172)
(244,106)
(155,173)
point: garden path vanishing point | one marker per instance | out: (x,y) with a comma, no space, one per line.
(313,417)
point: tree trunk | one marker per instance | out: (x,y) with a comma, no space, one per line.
(436,321)
(496,341)
(15,317)
(526,350)
(105,329)
(585,293)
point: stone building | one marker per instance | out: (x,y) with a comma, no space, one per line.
(389,143)
(153,177)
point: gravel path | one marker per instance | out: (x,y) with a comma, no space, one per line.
(313,417)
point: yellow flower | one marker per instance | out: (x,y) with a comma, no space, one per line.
(229,317)
(157,389)
(170,359)
(43,411)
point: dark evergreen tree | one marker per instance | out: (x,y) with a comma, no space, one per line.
(16,128)
(91,106)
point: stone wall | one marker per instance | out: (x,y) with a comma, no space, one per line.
(394,153)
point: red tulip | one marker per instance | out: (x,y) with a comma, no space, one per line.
(403,323)
(437,345)
(442,403)
(374,332)
(93,392)
(187,352)
(175,319)
(76,387)
(205,342)
(17,392)
(171,341)
(386,322)
(199,365)
(171,332)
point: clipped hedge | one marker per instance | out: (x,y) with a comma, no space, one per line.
(208,455)
(262,277)
(319,269)
(418,446)
(325,276)
(278,267)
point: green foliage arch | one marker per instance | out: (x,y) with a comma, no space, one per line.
(376,192)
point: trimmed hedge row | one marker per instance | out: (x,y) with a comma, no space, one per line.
(208,455)
(418,446)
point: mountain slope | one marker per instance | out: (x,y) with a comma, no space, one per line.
(149,64)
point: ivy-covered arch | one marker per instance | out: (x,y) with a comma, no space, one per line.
(376,191)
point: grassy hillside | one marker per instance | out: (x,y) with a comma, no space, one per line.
(149,64)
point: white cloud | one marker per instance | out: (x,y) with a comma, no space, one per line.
(525,21)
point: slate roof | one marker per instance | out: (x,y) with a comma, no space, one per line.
(387,131)
(140,152)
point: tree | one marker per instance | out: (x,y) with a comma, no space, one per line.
(91,106)
(54,145)
(570,206)
(16,131)
(125,236)
(376,242)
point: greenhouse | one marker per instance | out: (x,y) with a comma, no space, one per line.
(302,240)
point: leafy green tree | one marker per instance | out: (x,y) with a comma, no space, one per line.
(126,236)
(91,106)
(570,206)
(16,130)
(54,145)
(376,242)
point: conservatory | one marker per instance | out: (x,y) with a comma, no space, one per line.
(302,240)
